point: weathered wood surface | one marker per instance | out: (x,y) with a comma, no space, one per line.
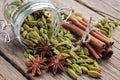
(8,72)
(104,7)
(13,51)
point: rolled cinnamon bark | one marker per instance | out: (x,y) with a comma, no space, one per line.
(93,52)
(93,41)
(108,53)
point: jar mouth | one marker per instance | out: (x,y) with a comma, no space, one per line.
(30,8)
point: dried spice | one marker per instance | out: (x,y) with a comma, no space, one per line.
(57,63)
(45,48)
(35,66)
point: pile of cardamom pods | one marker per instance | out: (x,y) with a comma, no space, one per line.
(37,27)
(107,26)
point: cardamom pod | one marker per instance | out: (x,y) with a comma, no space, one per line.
(34,40)
(69,61)
(77,68)
(104,20)
(83,56)
(30,17)
(96,64)
(65,54)
(56,51)
(26,54)
(90,60)
(90,67)
(24,34)
(74,55)
(84,69)
(29,50)
(80,61)
(81,51)
(21,29)
(25,26)
(36,29)
(86,51)
(70,36)
(31,57)
(94,74)
(72,73)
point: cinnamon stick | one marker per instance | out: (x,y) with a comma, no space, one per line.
(94,41)
(108,53)
(93,51)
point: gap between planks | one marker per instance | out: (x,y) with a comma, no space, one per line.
(97,10)
(8,72)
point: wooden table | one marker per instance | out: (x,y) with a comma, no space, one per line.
(12,60)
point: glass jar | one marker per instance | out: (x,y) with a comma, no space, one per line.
(16,12)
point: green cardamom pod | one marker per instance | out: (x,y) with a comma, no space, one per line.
(30,17)
(74,55)
(81,51)
(29,50)
(96,64)
(34,40)
(83,56)
(31,57)
(56,51)
(33,23)
(41,24)
(77,68)
(44,21)
(69,61)
(90,67)
(111,24)
(90,60)
(110,33)
(94,74)
(116,22)
(26,54)
(84,64)
(84,69)
(31,44)
(80,61)
(36,29)
(50,32)
(70,36)
(25,26)
(21,29)
(72,73)
(86,51)
(104,20)
(24,34)
(65,54)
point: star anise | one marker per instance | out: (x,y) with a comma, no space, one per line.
(57,63)
(35,66)
(45,48)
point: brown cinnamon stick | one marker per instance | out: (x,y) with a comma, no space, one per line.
(93,51)
(108,53)
(94,41)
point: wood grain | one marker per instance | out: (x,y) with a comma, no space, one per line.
(8,72)
(103,7)
(13,51)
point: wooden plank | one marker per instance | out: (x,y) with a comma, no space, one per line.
(8,72)
(16,57)
(105,7)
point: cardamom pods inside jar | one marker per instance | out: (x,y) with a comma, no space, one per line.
(33,20)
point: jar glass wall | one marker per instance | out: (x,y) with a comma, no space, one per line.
(17,11)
